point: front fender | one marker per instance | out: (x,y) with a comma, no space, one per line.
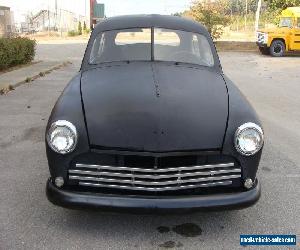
(240,112)
(282,38)
(68,107)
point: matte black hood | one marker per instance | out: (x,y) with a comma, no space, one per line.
(155,107)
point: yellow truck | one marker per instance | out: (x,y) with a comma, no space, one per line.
(286,37)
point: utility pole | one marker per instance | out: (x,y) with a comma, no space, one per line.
(85,8)
(92,2)
(246,12)
(55,15)
(85,16)
(238,11)
(48,19)
(60,27)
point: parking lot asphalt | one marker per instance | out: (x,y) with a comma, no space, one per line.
(29,221)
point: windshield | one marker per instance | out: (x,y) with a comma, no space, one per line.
(286,22)
(136,45)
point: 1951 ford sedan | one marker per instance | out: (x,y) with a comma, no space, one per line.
(150,123)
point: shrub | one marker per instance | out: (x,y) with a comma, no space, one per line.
(15,51)
(79,28)
(87,31)
(72,33)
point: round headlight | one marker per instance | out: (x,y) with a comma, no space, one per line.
(249,139)
(62,137)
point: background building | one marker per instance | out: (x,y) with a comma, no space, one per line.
(49,15)
(97,12)
(59,20)
(45,15)
(6,22)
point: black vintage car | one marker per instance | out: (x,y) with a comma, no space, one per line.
(151,123)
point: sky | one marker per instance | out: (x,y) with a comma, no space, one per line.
(112,7)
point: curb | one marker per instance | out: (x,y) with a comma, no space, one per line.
(236,46)
(10,87)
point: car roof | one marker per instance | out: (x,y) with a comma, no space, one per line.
(153,20)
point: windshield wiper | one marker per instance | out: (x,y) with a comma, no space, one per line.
(193,64)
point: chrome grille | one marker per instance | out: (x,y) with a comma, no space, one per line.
(155,179)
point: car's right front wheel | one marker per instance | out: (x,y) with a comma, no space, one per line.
(277,48)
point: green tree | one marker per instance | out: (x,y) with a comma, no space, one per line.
(79,28)
(177,14)
(84,26)
(238,7)
(212,14)
(278,5)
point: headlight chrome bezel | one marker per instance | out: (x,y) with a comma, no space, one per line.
(243,128)
(64,124)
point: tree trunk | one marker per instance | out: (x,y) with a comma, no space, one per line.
(257,15)
(246,12)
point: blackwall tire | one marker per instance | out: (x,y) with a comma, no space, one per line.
(277,48)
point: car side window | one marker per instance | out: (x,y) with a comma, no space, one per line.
(98,47)
(286,22)
(200,45)
(195,45)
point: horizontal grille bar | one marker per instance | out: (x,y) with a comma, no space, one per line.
(153,183)
(159,170)
(156,189)
(155,179)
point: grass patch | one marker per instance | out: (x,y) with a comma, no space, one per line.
(73,33)
(6,90)
(28,79)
